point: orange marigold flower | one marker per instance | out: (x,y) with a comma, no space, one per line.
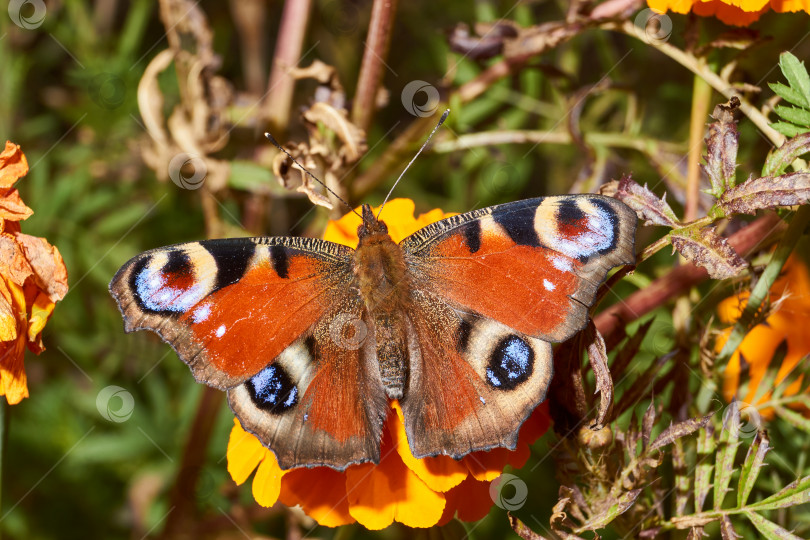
(734,12)
(788,324)
(33,278)
(415,492)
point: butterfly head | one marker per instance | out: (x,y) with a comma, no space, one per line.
(371,225)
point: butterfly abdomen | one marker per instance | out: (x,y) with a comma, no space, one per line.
(383,281)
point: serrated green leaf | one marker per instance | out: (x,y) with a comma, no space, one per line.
(620,505)
(751,467)
(726,452)
(793,115)
(787,129)
(787,93)
(780,158)
(795,493)
(797,76)
(705,466)
(769,529)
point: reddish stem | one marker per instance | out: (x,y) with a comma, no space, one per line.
(374,55)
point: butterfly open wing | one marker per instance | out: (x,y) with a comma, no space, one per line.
(254,316)
(523,273)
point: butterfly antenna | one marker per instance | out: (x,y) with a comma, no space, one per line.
(441,121)
(338,197)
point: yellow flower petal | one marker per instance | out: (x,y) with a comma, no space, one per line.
(8,321)
(267,482)
(41,311)
(244,453)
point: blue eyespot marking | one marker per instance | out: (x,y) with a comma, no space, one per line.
(272,390)
(510,364)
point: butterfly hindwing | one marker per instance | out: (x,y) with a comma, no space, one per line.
(321,402)
(472,382)
(230,306)
(492,288)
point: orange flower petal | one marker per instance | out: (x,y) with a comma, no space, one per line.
(12,206)
(13,380)
(439,473)
(244,453)
(390,491)
(267,482)
(8,320)
(321,492)
(469,501)
(13,165)
(41,311)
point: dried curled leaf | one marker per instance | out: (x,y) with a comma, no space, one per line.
(722,145)
(598,358)
(336,120)
(705,248)
(645,203)
(291,176)
(767,192)
(681,429)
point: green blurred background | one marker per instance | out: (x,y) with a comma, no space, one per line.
(68,95)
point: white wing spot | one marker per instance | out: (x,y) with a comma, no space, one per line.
(201,313)
(221,331)
(482,400)
(548,285)
(562,264)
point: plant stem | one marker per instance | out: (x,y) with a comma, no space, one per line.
(292,31)
(699,67)
(701,98)
(491,138)
(371,70)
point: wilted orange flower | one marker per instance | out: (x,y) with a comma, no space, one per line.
(735,12)
(789,324)
(33,278)
(415,492)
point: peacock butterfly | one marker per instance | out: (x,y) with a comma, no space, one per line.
(310,339)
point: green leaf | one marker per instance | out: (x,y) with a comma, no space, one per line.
(797,76)
(787,129)
(787,93)
(249,176)
(793,115)
(769,529)
(619,506)
(729,441)
(780,159)
(795,493)
(793,418)
(705,466)
(751,467)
